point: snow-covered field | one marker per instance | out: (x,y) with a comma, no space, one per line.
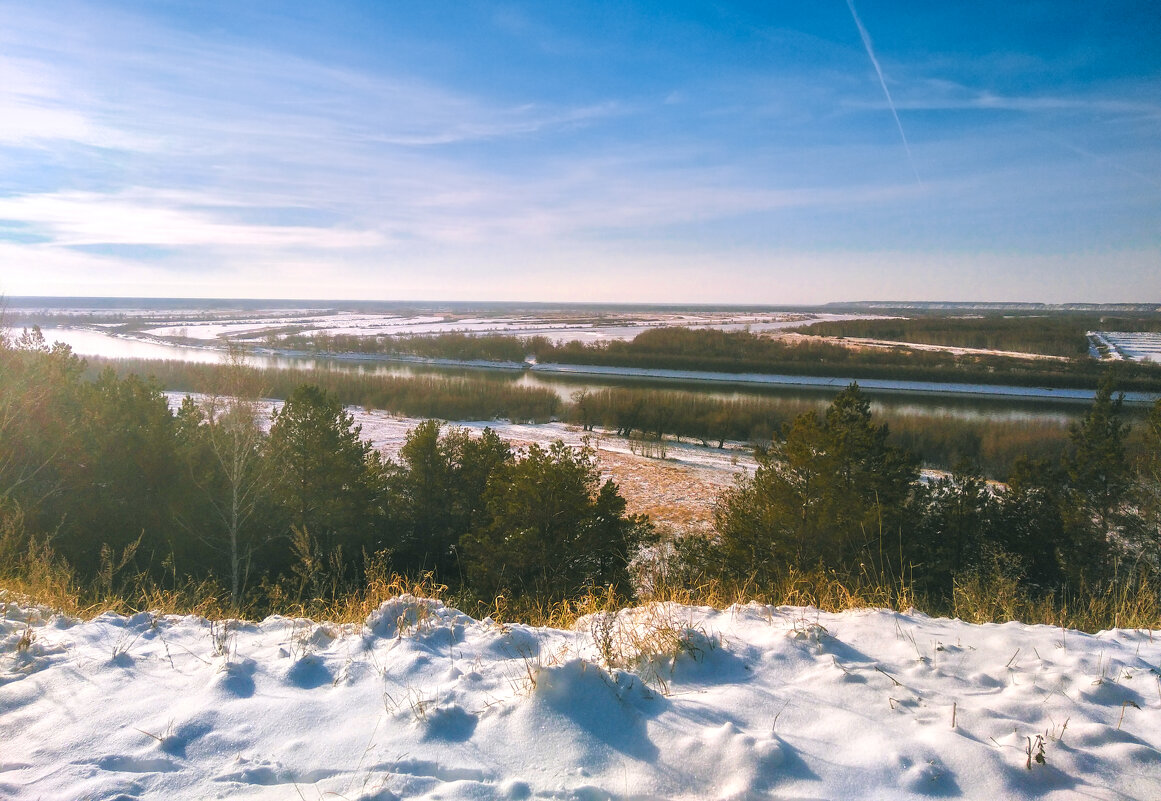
(558,326)
(1144,346)
(421,701)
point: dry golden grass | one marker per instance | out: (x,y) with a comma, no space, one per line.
(40,578)
(678,496)
(1131,602)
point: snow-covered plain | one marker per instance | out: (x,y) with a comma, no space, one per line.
(421,701)
(557,326)
(1143,346)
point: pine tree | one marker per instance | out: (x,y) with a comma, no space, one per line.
(551,528)
(224,448)
(1145,531)
(826,493)
(1098,477)
(327,481)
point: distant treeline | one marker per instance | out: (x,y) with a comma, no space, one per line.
(742,351)
(454,345)
(941,442)
(713,350)
(1054,335)
(420,396)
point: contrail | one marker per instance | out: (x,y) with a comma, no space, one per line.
(883,83)
(1099,159)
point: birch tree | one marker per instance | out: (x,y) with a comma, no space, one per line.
(232,475)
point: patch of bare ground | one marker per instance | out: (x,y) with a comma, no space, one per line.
(676,490)
(677,495)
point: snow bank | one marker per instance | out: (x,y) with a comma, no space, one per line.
(665,702)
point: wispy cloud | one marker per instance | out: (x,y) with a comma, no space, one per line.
(130,129)
(524,119)
(73,219)
(944,95)
(208,95)
(39,105)
(253,128)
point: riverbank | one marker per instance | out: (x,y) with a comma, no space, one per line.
(871,385)
(94,342)
(836,383)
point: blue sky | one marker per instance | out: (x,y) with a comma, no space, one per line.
(650,152)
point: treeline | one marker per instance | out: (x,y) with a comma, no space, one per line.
(655,413)
(447,398)
(714,350)
(100,475)
(1052,335)
(833,492)
(452,345)
(940,442)
(745,352)
(994,447)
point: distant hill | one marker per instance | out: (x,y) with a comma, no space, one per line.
(963,306)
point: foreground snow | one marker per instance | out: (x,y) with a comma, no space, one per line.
(422,701)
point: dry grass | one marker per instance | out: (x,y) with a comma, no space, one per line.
(679,496)
(649,640)
(39,577)
(1131,602)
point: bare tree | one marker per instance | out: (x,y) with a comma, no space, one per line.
(235,436)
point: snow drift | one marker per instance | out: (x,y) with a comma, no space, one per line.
(661,702)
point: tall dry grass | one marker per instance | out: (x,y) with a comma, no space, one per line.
(37,576)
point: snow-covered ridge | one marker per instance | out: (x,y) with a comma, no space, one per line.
(422,701)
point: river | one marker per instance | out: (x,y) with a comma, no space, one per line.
(898,397)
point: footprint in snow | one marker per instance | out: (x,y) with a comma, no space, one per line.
(274,773)
(174,742)
(128,764)
(434,770)
(927,775)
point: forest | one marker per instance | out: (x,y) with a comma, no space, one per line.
(103,487)
(99,475)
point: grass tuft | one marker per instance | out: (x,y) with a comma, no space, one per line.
(38,577)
